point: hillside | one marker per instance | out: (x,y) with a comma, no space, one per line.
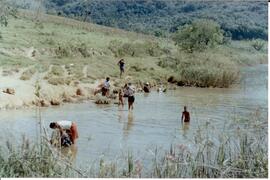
(52,57)
(239,19)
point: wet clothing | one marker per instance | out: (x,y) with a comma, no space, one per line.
(130,93)
(146,89)
(131,99)
(105,88)
(104,91)
(65,140)
(186,116)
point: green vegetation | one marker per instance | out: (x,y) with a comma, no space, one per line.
(27,74)
(239,19)
(65,50)
(199,35)
(257,44)
(31,161)
(6,11)
(138,49)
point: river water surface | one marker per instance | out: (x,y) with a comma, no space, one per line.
(110,131)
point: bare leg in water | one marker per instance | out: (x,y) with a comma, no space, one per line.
(130,105)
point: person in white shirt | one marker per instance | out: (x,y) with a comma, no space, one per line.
(131,98)
(66,128)
(106,87)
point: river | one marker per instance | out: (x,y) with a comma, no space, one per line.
(109,131)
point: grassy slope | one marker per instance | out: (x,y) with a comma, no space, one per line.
(23,34)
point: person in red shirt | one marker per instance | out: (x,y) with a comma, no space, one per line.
(185,115)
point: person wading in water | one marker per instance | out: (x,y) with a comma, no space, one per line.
(121,97)
(185,115)
(68,131)
(131,98)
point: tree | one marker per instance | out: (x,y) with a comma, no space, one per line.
(199,35)
(5,11)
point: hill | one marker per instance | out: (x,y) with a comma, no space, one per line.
(239,19)
(56,59)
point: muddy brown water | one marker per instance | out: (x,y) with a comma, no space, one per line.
(110,131)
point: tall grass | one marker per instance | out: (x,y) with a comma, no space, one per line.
(202,69)
(136,49)
(235,155)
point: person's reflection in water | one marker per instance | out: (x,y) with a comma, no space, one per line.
(185,128)
(129,124)
(70,153)
(120,114)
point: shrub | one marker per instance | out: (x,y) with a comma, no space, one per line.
(257,44)
(68,50)
(199,35)
(57,71)
(149,48)
(115,46)
(82,48)
(102,100)
(62,51)
(27,74)
(56,81)
(202,70)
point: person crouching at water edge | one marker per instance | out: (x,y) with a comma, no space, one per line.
(185,115)
(68,132)
(131,98)
(104,88)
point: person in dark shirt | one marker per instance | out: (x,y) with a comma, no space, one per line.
(185,115)
(121,64)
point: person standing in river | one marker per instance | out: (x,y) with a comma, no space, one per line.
(131,98)
(121,97)
(121,65)
(185,115)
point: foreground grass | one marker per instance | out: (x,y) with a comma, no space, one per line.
(242,154)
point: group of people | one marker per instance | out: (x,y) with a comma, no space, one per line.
(68,129)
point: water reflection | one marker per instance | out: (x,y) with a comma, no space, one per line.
(185,128)
(120,114)
(128,125)
(70,153)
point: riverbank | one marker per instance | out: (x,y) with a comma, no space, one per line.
(63,60)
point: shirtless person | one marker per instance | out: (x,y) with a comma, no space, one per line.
(66,127)
(185,115)
(121,97)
